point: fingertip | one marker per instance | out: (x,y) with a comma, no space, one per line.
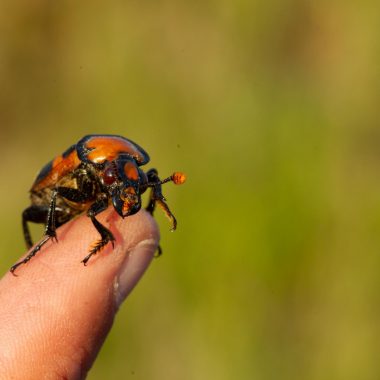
(60,309)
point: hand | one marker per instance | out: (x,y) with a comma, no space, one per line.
(55,315)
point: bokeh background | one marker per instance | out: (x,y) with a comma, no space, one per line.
(272,110)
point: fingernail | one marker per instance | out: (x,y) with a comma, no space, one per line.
(133,267)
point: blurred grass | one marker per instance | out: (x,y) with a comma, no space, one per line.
(272,111)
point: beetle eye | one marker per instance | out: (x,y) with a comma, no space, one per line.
(109,175)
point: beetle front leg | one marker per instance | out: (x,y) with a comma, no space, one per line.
(105,234)
(100,205)
(156,197)
(152,175)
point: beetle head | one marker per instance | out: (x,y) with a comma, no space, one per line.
(125,192)
(126,201)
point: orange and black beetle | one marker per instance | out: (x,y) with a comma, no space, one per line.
(96,171)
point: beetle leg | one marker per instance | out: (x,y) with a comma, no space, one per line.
(49,229)
(156,197)
(152,177)
(100,205)
(156,192)
(168,213)
(105,234)
(50,223)
(30,255)
(34,214)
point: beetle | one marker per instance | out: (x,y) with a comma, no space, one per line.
(97,171)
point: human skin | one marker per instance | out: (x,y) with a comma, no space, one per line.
(56,313)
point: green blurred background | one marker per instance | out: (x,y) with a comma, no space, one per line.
(272,109)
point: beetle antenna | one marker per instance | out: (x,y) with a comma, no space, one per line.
(177,177)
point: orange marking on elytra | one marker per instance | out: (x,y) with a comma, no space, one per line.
(109,148)
(60,167)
